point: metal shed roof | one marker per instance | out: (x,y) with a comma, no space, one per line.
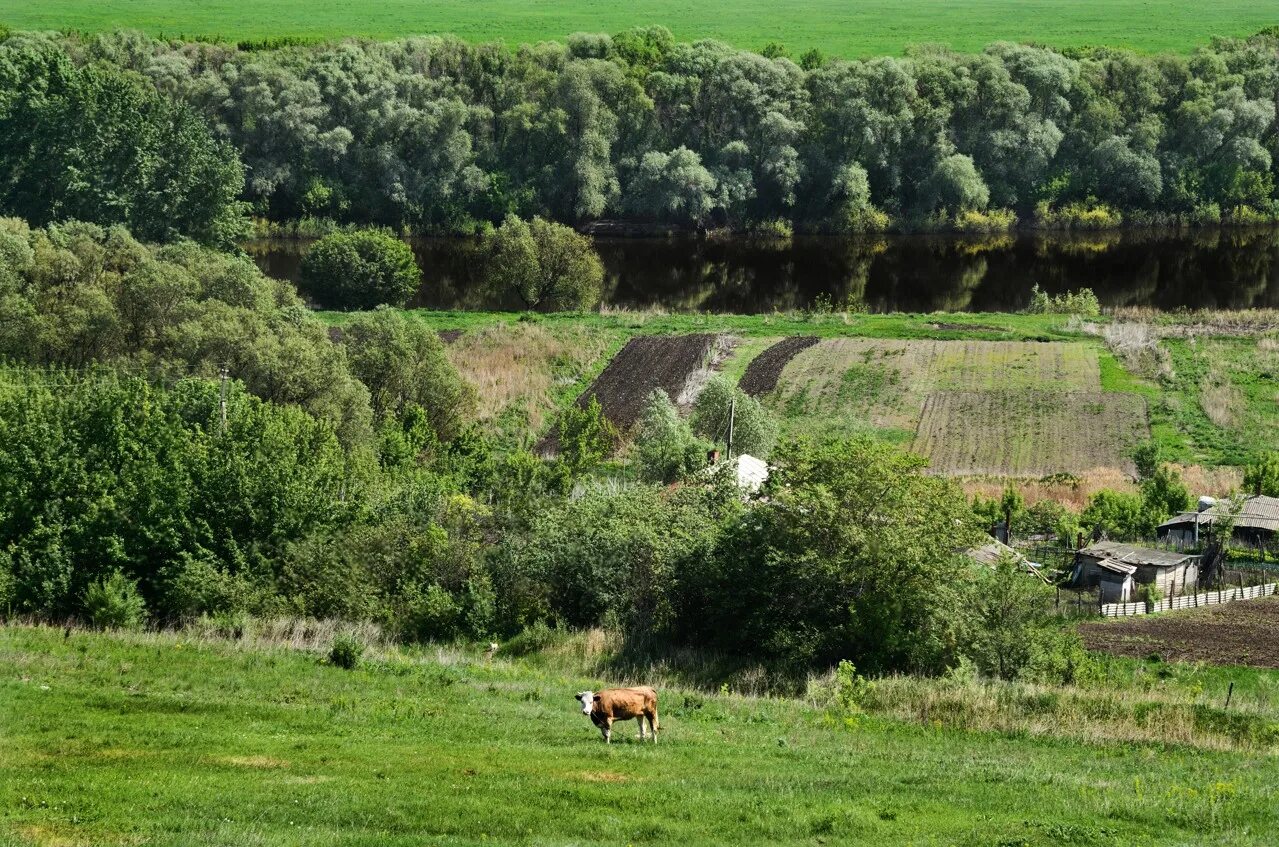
(1255,512)
(1130,554)
(1117,567)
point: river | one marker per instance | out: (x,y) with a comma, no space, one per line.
(1210,268)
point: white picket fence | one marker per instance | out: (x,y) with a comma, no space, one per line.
(1189,601)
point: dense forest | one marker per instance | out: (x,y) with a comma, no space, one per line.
(437,135)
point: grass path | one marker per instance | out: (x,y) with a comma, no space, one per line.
(152,739)
(838,27)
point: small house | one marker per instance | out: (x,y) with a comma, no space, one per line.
(1255,523)
(1117,570)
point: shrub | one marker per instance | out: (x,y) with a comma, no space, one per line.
(1081,302)
(115,603)
(547,266)
(754,430)
(361,269)
(346,651)
(665,448)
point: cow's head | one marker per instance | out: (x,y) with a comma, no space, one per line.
(587,699)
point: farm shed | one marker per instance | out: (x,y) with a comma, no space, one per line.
(1117,569)
(993,553)
(1255,523)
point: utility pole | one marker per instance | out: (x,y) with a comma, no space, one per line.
(732,411)
(222,401)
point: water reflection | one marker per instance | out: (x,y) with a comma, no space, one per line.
(1219,268)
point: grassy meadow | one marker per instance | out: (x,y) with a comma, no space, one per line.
(165,739)
(837,27)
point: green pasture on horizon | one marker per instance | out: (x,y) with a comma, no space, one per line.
(838,27)
(166,740)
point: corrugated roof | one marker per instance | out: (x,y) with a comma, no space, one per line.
(1255,512)
(1132,555)
(1117,566)
(992,553)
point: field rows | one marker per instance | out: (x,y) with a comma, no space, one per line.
(1029,433)
(849,383)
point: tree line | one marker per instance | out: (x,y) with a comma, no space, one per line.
(437,135)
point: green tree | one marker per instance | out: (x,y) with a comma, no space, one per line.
(403,363)
(1011,618)
(547,266)
(1117,515)
(1262,476)
(852,554)
(95,143)
(754,430)
(360,270)
(586,436)
(665,448)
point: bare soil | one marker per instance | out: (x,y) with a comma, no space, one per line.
(645,363)
(762,373)
(1242,633)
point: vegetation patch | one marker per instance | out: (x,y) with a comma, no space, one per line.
(521,370)
(1029,433)
(851,384)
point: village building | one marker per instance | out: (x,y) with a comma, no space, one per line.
(1255,523)
(1117,570)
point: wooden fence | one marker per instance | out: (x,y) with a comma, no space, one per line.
(1189,601)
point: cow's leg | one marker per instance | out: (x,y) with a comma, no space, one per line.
(652,724)
(607,729)
(640,720)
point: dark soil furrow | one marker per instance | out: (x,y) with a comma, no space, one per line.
(762,373)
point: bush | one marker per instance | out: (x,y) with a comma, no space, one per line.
(754,430)
(1082,302)
(115,603)
(545,265)
(361,269)
(665,448)
(346,651)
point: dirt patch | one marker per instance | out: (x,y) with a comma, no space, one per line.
(262,762)
(604,776)
(953,327)
(1241,633)
(762,373)
(647,362)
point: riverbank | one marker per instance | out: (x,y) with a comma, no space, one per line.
(1166,270)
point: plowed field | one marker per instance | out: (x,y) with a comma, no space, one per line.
(1243,633)
(1029,433)
(762,373)
(647,362)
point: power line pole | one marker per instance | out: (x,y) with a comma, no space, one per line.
(732,411)
(222,401)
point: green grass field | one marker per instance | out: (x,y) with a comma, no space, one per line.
(162,739)
(838,27)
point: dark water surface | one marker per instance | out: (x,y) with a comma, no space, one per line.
(1217,268)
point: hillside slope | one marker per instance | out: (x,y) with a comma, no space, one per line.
(168,740)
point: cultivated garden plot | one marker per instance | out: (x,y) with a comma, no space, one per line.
(670,362)
(849,384)
(1241,633)
(1029,433)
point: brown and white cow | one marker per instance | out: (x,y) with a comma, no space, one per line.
(621,704)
